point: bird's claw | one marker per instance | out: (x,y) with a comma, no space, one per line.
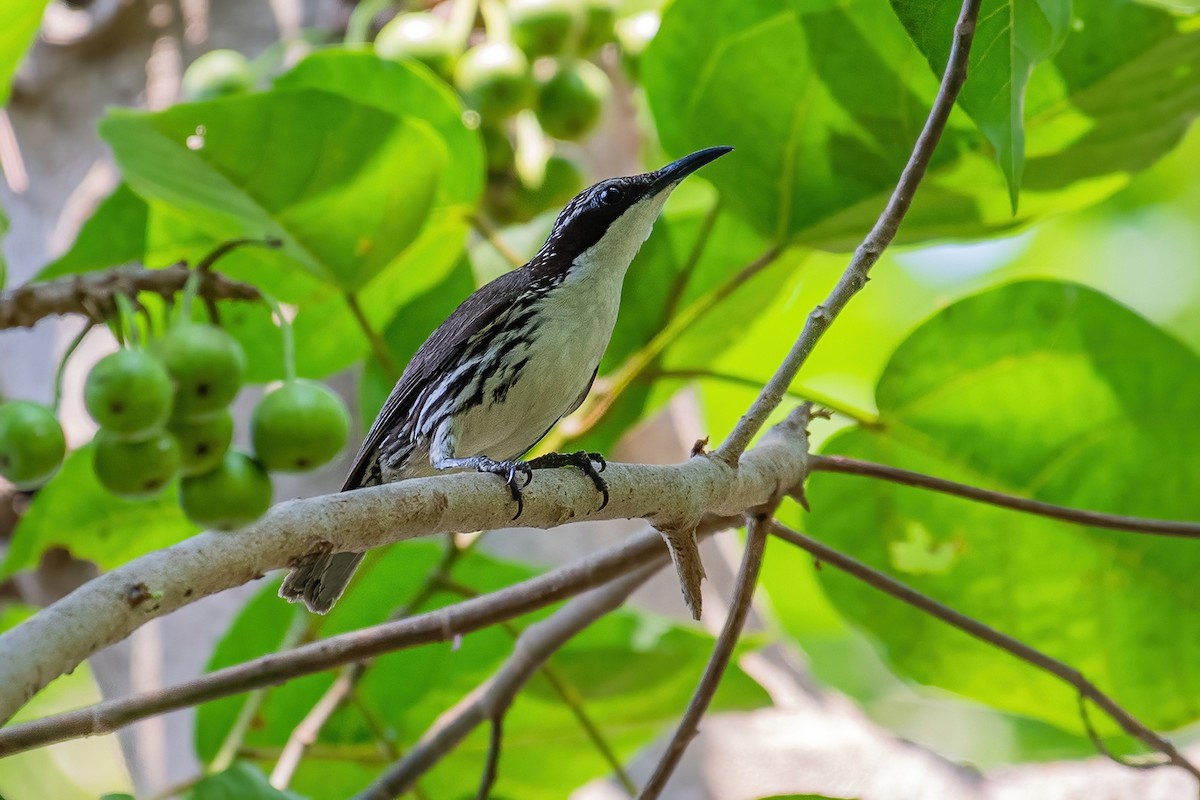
(508,470)
(584,461)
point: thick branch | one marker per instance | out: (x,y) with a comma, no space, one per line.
(855,276)
(100,612)
(490,701)
(93,294)
(743,593)
(443,624)
(853,466)
(889,585)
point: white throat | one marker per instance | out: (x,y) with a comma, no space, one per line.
(604,264)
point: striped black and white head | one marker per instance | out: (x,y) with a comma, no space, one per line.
(603,227)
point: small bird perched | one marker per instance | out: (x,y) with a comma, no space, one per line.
(517,356)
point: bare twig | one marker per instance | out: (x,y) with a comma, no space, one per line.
(855,276)
(93,294)
(854,466)
(491,700)
(757,525)
(436,626)
(306,733)
(491,766)
(569,696)
(889,585)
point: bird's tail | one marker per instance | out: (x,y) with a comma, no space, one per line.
(319,582)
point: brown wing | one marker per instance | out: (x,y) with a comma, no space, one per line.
(436,356)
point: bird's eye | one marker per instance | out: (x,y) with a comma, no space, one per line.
(610,195)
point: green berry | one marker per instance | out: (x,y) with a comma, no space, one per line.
(421,36)
(32,445)
(203,443)
(299,426)
(217,73)
(206,364)
(599,25)
(135,470)
(571,101)
(128,393)
(544,27)
(494,79)
(233,495)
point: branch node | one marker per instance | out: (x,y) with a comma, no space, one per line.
(685,555)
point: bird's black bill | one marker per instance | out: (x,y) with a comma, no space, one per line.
(678,170)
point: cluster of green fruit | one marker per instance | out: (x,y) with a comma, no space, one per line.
(164,413)
(535,58)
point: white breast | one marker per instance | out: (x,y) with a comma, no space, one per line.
(576,322)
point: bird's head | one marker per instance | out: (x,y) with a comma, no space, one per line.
(603,227)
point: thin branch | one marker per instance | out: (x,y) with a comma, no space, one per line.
(889,585)
(306,733)
(801,393)
(491,766)
(1076,516)
(379,348)
(62,635)
(435,626)
(93,294)
(757,525)
(569,696)
(484,227)
(491,700)
(855,276)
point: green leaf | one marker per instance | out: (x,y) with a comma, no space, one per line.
(1051,391)
(824,102)
(1011,38)
(19,23)
(242,781)
(345,186)
(633,673)
(82,769)
(116,233)
(405,89)
(75,512)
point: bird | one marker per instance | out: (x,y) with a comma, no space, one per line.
(518,355)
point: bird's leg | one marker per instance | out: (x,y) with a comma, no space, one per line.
(505,469)
(581,459)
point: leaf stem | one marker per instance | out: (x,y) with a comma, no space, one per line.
(286,334)
(379,348)
(1098,519)
(61,372)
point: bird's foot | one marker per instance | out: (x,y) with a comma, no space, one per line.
(582,460)
(508,470)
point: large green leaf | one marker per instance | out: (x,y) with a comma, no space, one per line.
(74,511)
(1011,38)
(19,23)
(345,186)
(1051,391)
(633,675)
(824,102)
(404,89)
